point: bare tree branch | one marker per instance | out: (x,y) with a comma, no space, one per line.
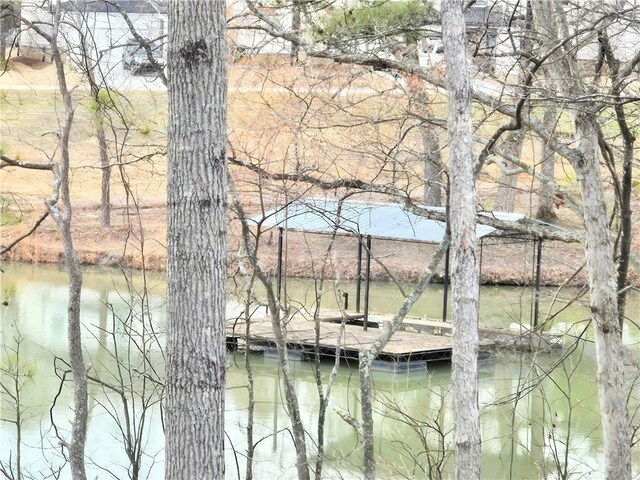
(9,162)
(27,234)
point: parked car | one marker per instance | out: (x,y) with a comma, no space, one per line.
(136,58)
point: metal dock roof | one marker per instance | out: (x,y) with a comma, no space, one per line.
(390,221)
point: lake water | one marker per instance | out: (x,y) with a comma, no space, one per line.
(551,425)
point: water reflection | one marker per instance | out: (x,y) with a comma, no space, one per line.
(553,423)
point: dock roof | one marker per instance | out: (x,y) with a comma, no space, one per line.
(388,221)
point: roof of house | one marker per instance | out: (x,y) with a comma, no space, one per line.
(389,221)
(110,6)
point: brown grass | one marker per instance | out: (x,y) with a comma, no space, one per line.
(273,121)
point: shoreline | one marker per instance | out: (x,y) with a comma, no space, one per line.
(141,244)
(506,275)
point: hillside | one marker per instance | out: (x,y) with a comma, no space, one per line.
(333,122)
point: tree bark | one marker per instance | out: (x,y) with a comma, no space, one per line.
(63,219)
(546,194)
(462,220)
(625,184)
(296,23)
(105,191)
(366,395)
(598,247)
(626,230)
(508,182)
(432,168)
(7,23)
(196,240)
(603,302)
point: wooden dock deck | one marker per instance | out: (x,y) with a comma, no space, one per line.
(419,340)
(301,337)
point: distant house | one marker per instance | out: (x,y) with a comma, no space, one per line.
(96,34)
(38,13)
(484,23)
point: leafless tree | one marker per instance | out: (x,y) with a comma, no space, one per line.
(15,373)
(550,19)
(462,221)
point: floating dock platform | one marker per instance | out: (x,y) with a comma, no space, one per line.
(334,339)
(416,342)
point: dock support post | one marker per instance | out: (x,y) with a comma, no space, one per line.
(359,274)
(445,293)
(536,306)
(480,261)
(279,269)
(367,282)
(480,274)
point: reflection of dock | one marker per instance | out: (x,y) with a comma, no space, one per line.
(418,340)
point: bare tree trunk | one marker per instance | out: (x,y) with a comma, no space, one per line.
(508,182)
(626,231)
(103,149)
(604,303)
(277,323)
(546,194)
(296,22)
(293,407)
(514,140)
(63,219)
(7,23)
(462,219)
(550,19)
(196,240)
(624,185)
(105,198)
(367,415)
(432,168)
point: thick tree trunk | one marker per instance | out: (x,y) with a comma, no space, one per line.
(196,240)
(546,194)
(462,219)
(604,303)
(432,168)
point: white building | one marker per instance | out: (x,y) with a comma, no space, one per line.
(98,35)
(104,35)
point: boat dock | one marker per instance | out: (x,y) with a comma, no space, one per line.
(409,345)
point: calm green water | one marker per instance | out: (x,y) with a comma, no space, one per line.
(554,423)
